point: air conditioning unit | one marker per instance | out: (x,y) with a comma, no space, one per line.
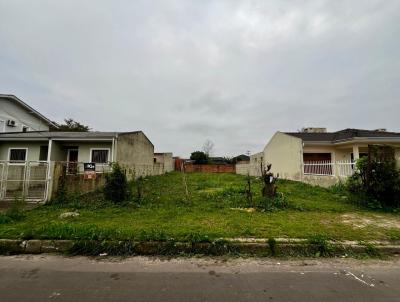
(11,123)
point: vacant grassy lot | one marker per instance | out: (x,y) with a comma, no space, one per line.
(212,211)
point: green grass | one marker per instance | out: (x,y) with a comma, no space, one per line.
(165,213)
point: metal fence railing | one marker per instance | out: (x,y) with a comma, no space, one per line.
(323,167)
(339,168)
(345,168)
(23,179)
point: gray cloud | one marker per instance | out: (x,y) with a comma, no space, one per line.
(186,71)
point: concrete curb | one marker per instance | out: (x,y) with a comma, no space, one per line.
(34,246)
(284,247)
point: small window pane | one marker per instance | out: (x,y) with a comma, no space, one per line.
(100,156)
(17,154)
(43,152)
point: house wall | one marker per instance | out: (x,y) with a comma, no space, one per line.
(252,167)
(242,168)
(9,110)
(285,153)
(135,153)
(58,153)
(59,150)
(166,160)
(33,149)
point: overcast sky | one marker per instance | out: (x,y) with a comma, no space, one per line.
(230,71)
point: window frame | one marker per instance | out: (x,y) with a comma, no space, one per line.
(17,162)
(100,149)
(40,150)
(4,125)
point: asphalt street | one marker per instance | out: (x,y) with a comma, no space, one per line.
(57,278)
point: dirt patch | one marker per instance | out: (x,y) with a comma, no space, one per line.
(380,221)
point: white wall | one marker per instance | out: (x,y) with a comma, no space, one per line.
(285,153)
(9,110)
(33,149)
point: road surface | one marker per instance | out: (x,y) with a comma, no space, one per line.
(56,278)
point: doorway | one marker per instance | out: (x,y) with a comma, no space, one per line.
(72,161)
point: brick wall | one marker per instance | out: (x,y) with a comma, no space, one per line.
(210,168)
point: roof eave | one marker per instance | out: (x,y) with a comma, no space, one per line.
(368,139)
(26,106)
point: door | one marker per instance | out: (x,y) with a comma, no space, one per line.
(72,165)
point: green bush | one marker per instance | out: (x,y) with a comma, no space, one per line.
(272,246)
(271,204)
(376,183)
(14,213)
(116,188)
(4,218)
(322,244)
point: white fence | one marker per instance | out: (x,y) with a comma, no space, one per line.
(329,168)
(345,168)
(27,180)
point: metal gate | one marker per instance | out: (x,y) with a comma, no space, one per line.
(25,180)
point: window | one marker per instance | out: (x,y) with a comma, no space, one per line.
(317,163)
(25,128)
(313,157)
(17,155)
(99,156)
(43,152)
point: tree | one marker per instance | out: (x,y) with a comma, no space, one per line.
(199,157)
(116,188)
(376,181)
(74,126)
(208,147)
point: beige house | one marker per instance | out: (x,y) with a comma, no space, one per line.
(319,157)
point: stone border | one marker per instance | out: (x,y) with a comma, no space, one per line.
(34,246)
(284,247)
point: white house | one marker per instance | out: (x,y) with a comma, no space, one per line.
(17,116)
(319,157)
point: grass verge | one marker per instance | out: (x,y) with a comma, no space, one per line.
(217,208)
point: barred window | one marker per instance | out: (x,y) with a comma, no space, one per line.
(17,155)
(100,156)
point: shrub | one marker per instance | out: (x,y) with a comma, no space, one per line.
(322,244)
(138,186)
(14,213)
(272,246)
(376,183)
(273,203)
(116,188)
(4,218)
